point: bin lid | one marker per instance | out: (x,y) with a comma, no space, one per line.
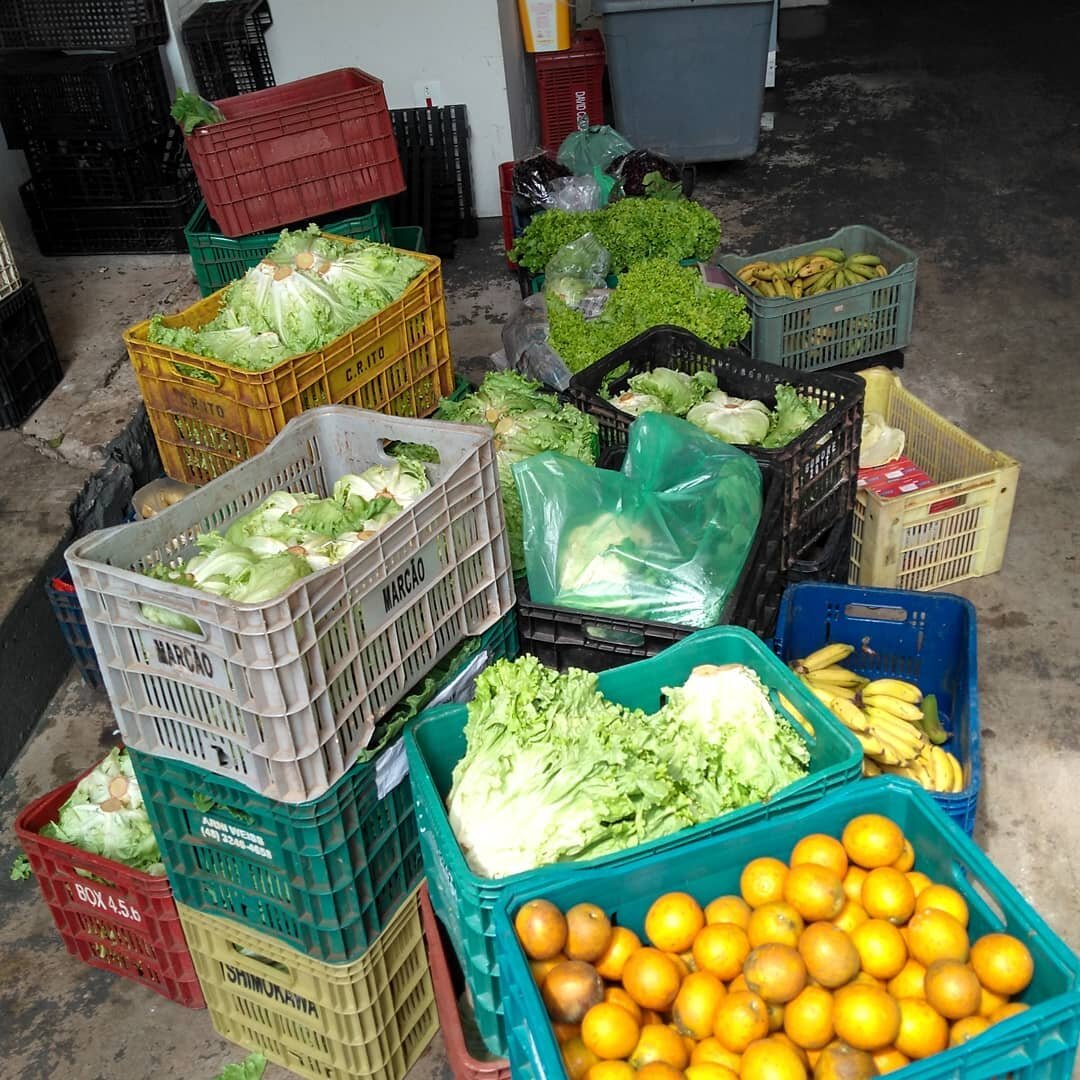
(621,7)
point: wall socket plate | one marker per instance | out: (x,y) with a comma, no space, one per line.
(427,92)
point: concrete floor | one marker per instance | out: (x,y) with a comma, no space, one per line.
(956,134)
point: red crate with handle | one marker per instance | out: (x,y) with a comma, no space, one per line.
(110,916)
(297,152)
(570,87)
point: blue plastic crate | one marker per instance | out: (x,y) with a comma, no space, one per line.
(926,638)
(69,614)
(1039,1043)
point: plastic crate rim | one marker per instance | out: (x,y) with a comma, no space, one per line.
(911,261)
(275,91)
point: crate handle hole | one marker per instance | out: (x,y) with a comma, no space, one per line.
(876,612)
(198,634)
(425,451)
(191,373)
(250,954)
(612,635)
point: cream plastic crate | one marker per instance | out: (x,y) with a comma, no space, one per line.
(9,272)
(956,529)
(283,695)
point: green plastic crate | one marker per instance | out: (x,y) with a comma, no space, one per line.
(408,237)
(465,902)
(325,876)
(840,326)
(1040,1042)
(218,259)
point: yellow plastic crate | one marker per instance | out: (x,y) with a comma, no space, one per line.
(207,416)
(372,1017)
(955,529)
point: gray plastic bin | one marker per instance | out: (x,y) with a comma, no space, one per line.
(688,76)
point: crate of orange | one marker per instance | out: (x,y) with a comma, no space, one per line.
(208,416)
(849,939)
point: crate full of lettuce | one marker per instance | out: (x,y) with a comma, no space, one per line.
(90,848)
(320,320)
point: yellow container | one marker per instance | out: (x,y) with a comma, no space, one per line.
(371,1018)
(545,24)
(938,535)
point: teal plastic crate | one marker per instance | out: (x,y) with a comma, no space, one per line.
(218,259)
(1039,1043)
(465,902)
(324,876)
(836,327)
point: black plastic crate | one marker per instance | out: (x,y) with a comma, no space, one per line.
(119,98)
(82,24)
(86,172)
(820,468)
(29,366)
(226,43)
(433,145)
(829,560)
(69,614)
(562,638)
(131,228)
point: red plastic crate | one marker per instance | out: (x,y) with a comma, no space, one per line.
(110,916)
(463,1066)
(570,86)
(297,152)
(506,195)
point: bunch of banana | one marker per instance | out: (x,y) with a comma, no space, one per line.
(807,275)
(885,716)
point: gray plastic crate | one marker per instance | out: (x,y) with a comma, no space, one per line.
(688,76)
(283,695)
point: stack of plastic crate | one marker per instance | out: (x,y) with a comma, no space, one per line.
(84,96)
(226,43)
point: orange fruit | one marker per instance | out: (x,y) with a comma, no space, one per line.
(540,968)
(966,1029)
(864,978)
(865,1017)
(660,1070)
(823,850)
(577,1058)
(1002,963)
(570,990)
(923,1030)
(953,989)
(907,857)
(777,921)
(829,955)
(881,948)
(909,981)
(611,1070)
(565,1032)
(776,1018)
(779,1036)
(872,840)
(689,1044)
(721,948)
(945,899)
(887,894)
(673,921)
(658,1042)
(771,1059)
(609,1032)
(936,935)
(808,1019)
(775,972)
(1014,1008)
(989,1002)
(762,881)
(618,996)
(729,909)
(588,931)
(741,1018)
(853,880)
(712,1051)
(710,1070)
(696,1004)
(852,914)
(738,983)
(812,1057)
(681,965)
(541,929)
(619,947)
(651,978)
(650,1016)
(814,892)
(889,1060)
(838,1061)
(919,881)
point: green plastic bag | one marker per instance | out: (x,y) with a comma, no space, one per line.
(594,148)
(663,540)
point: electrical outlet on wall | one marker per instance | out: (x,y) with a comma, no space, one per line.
(428,92)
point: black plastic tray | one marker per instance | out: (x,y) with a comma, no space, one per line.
(225,41)
(82,24)
(29,367)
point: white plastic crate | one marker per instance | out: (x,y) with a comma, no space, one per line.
(282,696)
(9,272)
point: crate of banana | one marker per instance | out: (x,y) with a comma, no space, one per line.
(808,275)
(898,728)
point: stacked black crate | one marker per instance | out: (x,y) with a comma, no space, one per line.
(226,44)
(83,94)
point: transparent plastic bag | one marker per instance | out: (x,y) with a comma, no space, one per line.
(663,540)
(575,193)
(576,269)
(641,173)
(531,179)
(526,348)
(595,147)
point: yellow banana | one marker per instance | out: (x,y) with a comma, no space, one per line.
(826,656)
(874,748)
(848,693)
(870,767)
(881,271)
(903,710)
(825,696)
(939,767)
(864,259)
(833,253)
(815,266)
(901,730)
(957,771)
(905,691)
(850,715)
(865,272)
(797,264)
(900,753)
(797,288)
(836,675)
(768,272)
(765,287)
(796,713)
(751,268)
(746,275)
